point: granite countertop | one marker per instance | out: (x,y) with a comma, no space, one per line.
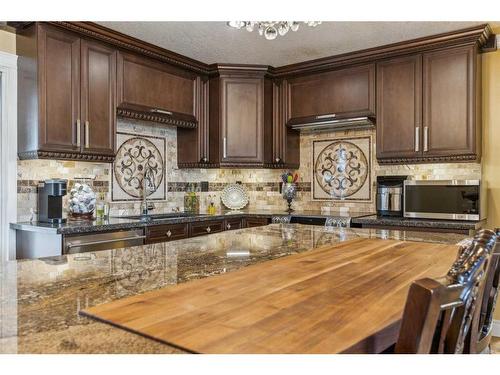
(358,219)
(418,223)
(40,299)
(117,223)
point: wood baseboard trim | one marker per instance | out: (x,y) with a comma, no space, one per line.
(496,328)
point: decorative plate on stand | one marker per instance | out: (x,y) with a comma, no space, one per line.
(234,197)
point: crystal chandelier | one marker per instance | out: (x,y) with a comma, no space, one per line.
(271,29)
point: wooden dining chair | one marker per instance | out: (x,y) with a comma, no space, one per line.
(439,313)
(480,335)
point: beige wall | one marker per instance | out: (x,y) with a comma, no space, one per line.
(7,42)
(491,137)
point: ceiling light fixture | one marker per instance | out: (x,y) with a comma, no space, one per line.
(271,29)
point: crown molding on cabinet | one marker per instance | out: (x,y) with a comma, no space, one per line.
(481,35)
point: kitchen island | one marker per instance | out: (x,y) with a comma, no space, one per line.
(41,299)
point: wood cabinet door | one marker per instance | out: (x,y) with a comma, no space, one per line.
(149,85)
(449,80)
(343,93)
(98,98)
(399,107)
(242,120)
(286,141)
(59,89)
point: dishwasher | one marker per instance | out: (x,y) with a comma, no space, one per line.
(102,241)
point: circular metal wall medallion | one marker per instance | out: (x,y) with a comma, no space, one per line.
(133,157)
(341,169)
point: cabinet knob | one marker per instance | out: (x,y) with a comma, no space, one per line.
(208,229)
(204,159)
(169,233)
(228,226)
(277,160)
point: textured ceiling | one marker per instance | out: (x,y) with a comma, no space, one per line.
(213,42)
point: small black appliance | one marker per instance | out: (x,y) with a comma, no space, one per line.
(50,204)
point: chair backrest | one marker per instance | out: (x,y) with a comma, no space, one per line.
(480,335)
(438,314)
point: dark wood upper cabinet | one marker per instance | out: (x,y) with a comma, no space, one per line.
(339,93)
(66,96)
(399,107)
(58,90)
(242,119)
(98,98)
(286,141)
(147,86)
(451,112)
(428,107)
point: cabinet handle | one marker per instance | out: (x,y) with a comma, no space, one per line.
(208,229)
(169,233)
(87,134)
(78,133)
(228,226)
(155,110)
(330,115)
(417,139)
(224,146)
(426,138)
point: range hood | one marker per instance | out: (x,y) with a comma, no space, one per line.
(333,124)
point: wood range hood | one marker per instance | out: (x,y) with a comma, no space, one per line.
(331,122)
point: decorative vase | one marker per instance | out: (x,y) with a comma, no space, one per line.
(289,192)
(82,201)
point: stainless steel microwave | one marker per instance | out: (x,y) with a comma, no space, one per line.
(445,199)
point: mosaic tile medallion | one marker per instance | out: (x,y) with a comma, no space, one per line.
(342,169)
(136,155)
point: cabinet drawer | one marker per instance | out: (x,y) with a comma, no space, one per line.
(256,222)
(206,227)
(232,224)
(163,233)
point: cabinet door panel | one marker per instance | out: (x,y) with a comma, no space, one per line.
(242,119)
(399,108)
(153,85)
(448,108)
(340,92)
(59,90)
(98,98)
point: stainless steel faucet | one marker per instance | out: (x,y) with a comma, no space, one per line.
(147,184)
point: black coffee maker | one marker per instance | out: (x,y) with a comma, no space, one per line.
(50,205)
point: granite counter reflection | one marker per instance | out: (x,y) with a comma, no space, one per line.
(40,299)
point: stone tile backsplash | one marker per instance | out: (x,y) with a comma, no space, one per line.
(262,185)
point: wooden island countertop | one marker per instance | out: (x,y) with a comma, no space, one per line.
(340,297)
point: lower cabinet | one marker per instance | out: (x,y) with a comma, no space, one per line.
(164,233)
(206,227)
(171,232)
(232,224)
(255,222)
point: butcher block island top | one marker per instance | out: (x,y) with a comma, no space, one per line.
(345,297)
(306,289)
